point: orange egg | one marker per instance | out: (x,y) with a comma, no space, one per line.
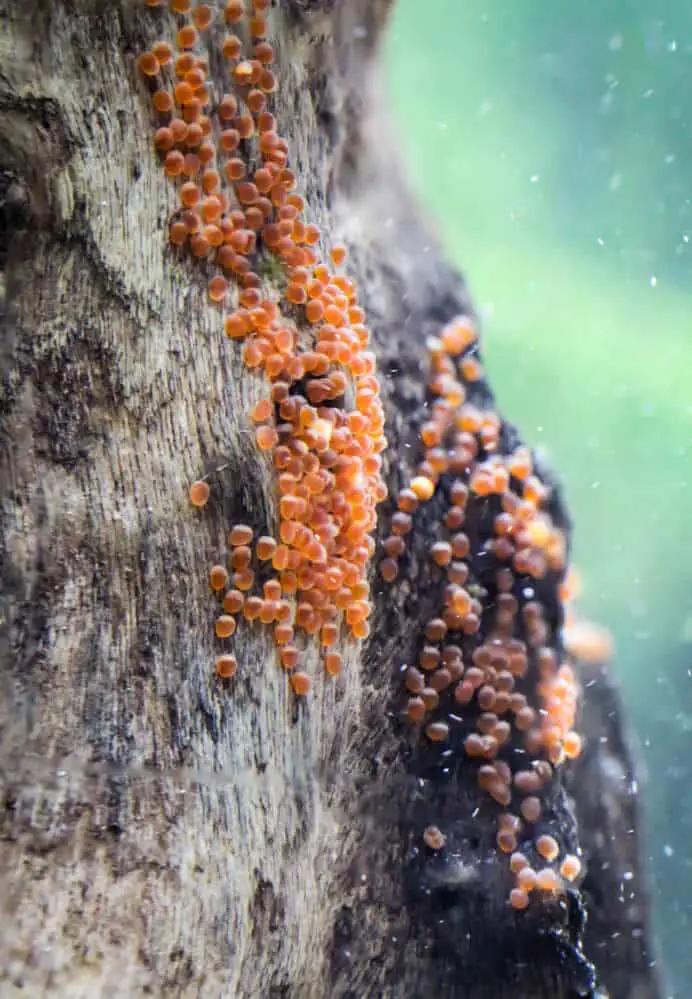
(199,493)
(226,666)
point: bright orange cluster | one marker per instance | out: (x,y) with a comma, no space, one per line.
(322,420)
(488,682)
(487,679)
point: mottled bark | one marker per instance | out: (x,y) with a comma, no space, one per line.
(162,833)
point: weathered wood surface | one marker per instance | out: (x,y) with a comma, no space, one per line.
(161,834)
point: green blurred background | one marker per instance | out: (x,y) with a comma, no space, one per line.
(552,144)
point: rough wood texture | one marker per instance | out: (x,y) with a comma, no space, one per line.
(606,792)
(162,834)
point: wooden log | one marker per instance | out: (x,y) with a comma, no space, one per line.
(163,832)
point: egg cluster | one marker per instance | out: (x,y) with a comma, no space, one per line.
(489,676)
(322,421)
(488,680)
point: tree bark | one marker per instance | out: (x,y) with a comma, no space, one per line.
(163,833)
